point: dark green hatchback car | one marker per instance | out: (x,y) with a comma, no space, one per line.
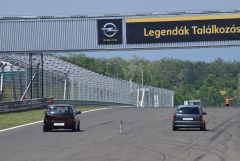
(61,116)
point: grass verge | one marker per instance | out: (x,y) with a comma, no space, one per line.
(8,120)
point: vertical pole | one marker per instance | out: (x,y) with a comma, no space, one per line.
(30,63)
(143,95)
(20,82)
(26,78)
(65,87)
(11,69)
(137,97)
(14,94)
(142,77)
(37,80)
(131,92)
(2,81)
(42,74)
(120,128)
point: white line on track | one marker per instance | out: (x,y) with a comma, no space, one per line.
(42,120)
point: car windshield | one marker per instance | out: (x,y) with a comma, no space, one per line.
(60,110)
(188,110)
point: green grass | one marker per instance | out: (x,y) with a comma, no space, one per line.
(8,120)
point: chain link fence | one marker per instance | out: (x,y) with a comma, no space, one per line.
(31,75)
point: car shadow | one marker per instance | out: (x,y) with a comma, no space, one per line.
(57,130)
(192,129)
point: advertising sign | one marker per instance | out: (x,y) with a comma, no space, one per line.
(183,29)
(109,31)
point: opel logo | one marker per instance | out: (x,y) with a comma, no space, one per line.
(109,29)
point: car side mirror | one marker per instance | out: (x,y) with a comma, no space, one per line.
(204,113)
(78,112)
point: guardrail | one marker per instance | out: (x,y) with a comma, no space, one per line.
(81,102)
(12,106)
(25,104)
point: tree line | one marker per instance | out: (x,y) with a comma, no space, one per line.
(189,80)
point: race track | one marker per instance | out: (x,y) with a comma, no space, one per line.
(146,136)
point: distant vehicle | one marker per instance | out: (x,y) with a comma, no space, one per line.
(61,116)
(189,116)
(193,102)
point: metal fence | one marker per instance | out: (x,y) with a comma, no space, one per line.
(28,76)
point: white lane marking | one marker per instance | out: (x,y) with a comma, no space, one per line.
(11,128)
(95,110)
(20,126)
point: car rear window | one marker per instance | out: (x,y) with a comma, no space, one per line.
(60,110)
(188,110)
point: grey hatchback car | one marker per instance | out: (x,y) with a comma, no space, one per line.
(189,116)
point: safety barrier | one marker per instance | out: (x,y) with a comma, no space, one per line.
(28,76)
(10,106)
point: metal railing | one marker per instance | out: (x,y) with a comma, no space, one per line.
(34,76)
(10,106)
(79,102)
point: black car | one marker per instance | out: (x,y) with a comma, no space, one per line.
(61,116)
(189,116)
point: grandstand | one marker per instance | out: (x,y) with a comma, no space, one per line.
(66,81)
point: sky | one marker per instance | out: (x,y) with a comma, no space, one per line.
(93,7)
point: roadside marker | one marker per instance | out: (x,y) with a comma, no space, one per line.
(121,122)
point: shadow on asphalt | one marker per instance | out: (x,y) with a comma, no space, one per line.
(192,130)
(66,131)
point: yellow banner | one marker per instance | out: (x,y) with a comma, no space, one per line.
(182,18)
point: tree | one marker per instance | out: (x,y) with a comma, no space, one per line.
(189,80)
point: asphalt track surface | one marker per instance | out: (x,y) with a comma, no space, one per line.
(146,136)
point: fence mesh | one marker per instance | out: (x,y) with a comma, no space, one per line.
(28,75)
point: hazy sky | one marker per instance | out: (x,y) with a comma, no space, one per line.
(92,7)
(69,7)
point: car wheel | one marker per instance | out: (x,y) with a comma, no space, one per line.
(203,128)
(174,128)
(74,129)
(45,129)
(78,127)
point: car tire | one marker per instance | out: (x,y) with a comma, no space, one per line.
(174,128)
(78,127)
(74,129)
(203,128)
(45,129)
